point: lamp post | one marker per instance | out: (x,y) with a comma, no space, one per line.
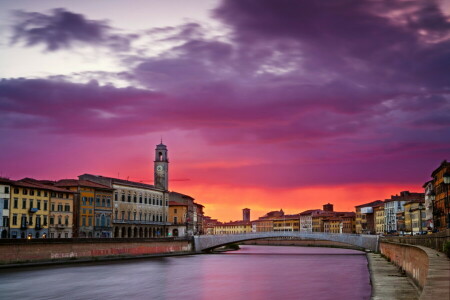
(420,208)
(446,179)
(410,219)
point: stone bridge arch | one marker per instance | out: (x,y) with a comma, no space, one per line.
(204,243)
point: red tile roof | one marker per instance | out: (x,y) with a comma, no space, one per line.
(77,182)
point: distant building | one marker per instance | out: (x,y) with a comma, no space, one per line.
(395,205)
(266,222)
(415,217)
(378,211)
(209,224)
(306,220)
(328,207)
(178,218)
(246,215)
(429,199)
(365,218)
(287,223)
(236,227)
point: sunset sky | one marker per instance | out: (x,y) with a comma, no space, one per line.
(264,104)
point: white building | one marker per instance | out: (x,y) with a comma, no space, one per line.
(396,205)
(5,189)
(429,197)
(306,220)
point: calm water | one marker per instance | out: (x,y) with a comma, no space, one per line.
(254,272)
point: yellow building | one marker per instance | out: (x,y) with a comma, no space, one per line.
(178,213)
(415,217)
(379,219)
(84,205)
(61,213)
(441,202)
(236,227)
(318,218)
(29,210)
(287,223)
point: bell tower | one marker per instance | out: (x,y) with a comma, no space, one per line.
(161,167)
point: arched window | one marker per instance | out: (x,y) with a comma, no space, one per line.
(160,156)
(66,220)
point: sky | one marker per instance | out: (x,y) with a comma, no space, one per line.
(265,104)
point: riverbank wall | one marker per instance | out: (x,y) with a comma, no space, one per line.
(42,250)
(428,268)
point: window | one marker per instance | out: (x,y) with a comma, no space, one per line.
(134,216)
(60,195)
(140,199)
(83,200)
(66,235)
(60,207)
(31,192)
(5,222)
(123,215)
(83,221)
(31,203)
(103,222)
(39,204)
(97,201)
(116,213)
(52,207)
(25,192)
(24,203)
(134,199)
(53,194)
(30,220)
(67,207)
(45,194)
(90,221)
(129,198)
(14,219)
(16,190)
(45,220)
(52,220)
(103,202)
(66,220)
(123,197)
(16,202)
(115,196)
(174,210)
(39,193)
(129,215)
(5,203)
(45,205)
(108,202)
(175,220)
(6,190)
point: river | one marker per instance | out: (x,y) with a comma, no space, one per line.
(253,272)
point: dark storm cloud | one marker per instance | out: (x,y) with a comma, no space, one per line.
(61,29)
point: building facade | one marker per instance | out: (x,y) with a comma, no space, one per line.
(429,199)
(395,205)
(378,210)
(29,210)
(236,227)
(441,207)
(60,223)
(415,217)
(177,218)
(5,194)
(306,220)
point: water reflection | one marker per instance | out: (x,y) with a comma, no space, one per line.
(254,272)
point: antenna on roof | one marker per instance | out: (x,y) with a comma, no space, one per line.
(161,139)
(128,177)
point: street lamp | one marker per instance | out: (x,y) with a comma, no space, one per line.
(420,217)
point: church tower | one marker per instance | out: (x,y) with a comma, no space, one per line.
(161,166)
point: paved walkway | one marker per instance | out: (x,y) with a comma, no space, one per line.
(388,282)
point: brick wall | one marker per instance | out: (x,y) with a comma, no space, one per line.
(50,249)
(413,260)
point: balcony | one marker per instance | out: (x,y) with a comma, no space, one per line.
(33,210)
(60,226)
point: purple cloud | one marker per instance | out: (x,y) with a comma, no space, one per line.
(61,29)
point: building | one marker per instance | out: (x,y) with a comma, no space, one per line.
(430,196)
(415,217)
(236,227)
(140,210)
(178,213)
(328,207)
(266,222)
(318,218)
(395,205)
(441,208)
(189,221)
(92,207)
(306,220)
(287,223)
(246,214)
(5,190)
(198,219)
(29,209)
(209,224)
(365,219)
(378,211)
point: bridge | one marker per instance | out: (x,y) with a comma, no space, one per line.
(204,243)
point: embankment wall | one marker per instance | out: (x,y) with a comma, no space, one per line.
(428,268)
(16,251)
